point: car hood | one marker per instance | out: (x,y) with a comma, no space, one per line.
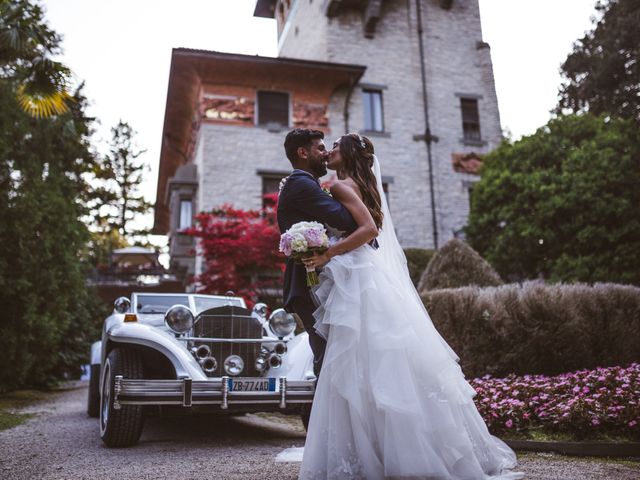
(152,319)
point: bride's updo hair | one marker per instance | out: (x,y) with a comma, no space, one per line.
(357,158)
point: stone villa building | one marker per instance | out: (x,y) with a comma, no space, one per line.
(414,76)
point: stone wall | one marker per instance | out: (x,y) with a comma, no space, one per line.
(458,64)
(230,150)
(234,155)
(305,33)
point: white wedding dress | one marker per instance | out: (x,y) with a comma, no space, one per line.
(391,400)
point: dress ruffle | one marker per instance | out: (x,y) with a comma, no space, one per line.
(391,399)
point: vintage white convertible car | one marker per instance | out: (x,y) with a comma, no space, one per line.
(202,353)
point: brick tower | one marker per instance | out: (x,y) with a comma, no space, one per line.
(427,98)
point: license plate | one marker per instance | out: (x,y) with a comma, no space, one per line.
(252,384)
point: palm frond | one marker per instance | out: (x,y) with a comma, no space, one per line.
(43,105)
(44,92)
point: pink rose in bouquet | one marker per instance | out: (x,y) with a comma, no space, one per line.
(302,240)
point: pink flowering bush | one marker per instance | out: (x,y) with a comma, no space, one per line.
(585,403)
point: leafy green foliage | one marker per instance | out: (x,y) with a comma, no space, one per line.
(47,309)
(562,204)
(27,46)
(602,74)
(455,265)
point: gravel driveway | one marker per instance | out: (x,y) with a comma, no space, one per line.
(61,442)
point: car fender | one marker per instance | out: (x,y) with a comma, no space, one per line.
(96,352)
(164,342)
(297,363)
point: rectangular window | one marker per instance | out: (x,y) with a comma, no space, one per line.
(385,190)
(273,108)
(470,119)
(270,187)
(372,102)
(186,214)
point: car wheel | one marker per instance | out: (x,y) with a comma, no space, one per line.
(93,400)
(121,427)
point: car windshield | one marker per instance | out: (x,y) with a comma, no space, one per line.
(205,303)
(159,303)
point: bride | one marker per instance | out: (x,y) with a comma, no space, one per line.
(392,401)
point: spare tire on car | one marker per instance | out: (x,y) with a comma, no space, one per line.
(93,398)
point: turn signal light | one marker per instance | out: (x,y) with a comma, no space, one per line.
(130,317)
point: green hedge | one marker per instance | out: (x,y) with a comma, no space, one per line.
(535,328)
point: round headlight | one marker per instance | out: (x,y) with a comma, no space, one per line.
(122,305)
(281,322)
(280,348)
(275,360)
(209,364)
(179,319)
(260,309)
(233,365)
(261,364)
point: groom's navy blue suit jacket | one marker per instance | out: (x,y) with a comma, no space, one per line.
(302,200)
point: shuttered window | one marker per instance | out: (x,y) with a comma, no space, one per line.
(470,119)
(273,108)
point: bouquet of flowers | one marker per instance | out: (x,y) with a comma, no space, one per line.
(302,240)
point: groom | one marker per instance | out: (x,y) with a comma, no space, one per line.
(302,200)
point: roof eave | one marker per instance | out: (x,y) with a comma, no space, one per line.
(182,78)
(265,9)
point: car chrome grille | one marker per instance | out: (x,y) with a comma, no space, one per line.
(230,322)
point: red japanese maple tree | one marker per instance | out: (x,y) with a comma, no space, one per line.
(240,251)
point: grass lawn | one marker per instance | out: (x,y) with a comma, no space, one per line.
(11,402)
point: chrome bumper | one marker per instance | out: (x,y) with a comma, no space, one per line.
(187,392)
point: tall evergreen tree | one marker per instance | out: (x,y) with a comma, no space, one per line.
(602,74)
(48,313)
(118,199)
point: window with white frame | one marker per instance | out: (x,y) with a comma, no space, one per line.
(372,107)
(186,214)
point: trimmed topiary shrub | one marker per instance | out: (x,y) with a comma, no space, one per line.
(535,328)
(455,265)
(417,261)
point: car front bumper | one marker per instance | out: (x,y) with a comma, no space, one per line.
(187,392)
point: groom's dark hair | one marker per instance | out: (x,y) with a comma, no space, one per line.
(299,137)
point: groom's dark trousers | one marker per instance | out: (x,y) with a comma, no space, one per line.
(302,200)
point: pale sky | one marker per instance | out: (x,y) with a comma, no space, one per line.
(122,50)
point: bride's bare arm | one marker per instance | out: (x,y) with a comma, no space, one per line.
(365,232)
